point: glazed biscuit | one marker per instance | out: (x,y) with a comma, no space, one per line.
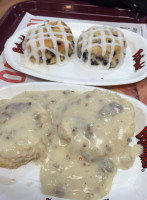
(49,43)
(102,45)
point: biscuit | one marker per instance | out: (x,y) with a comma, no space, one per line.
(25,130)
(49,43)
(102,45)
(97,117)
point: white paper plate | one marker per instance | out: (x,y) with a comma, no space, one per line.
(76,72)
(23,183)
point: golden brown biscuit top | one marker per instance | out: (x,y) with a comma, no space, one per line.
(49,43)
(104,42)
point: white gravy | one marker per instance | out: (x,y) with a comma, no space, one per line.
(89,142)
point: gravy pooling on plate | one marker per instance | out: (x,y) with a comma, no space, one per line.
(89,139)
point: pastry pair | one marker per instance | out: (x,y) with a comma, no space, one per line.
(53,43)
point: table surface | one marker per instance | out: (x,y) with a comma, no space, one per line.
(137,90)
(6,4)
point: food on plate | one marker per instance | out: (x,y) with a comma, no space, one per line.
(102,45)
(88,140)
(93,134)
(50,43)
(25,129)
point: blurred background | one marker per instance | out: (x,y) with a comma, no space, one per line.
(137,5)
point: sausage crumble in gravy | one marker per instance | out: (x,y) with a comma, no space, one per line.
(80,139)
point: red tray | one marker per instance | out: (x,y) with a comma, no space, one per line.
(65,9)
(75,10)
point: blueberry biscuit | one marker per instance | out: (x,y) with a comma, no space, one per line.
(102,45)
(49,43)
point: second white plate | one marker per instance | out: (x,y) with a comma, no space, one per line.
(23,183)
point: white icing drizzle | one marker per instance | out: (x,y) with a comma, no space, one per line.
(37,34)
(88,37)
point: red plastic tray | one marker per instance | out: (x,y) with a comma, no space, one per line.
(75,10)
(65,9)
